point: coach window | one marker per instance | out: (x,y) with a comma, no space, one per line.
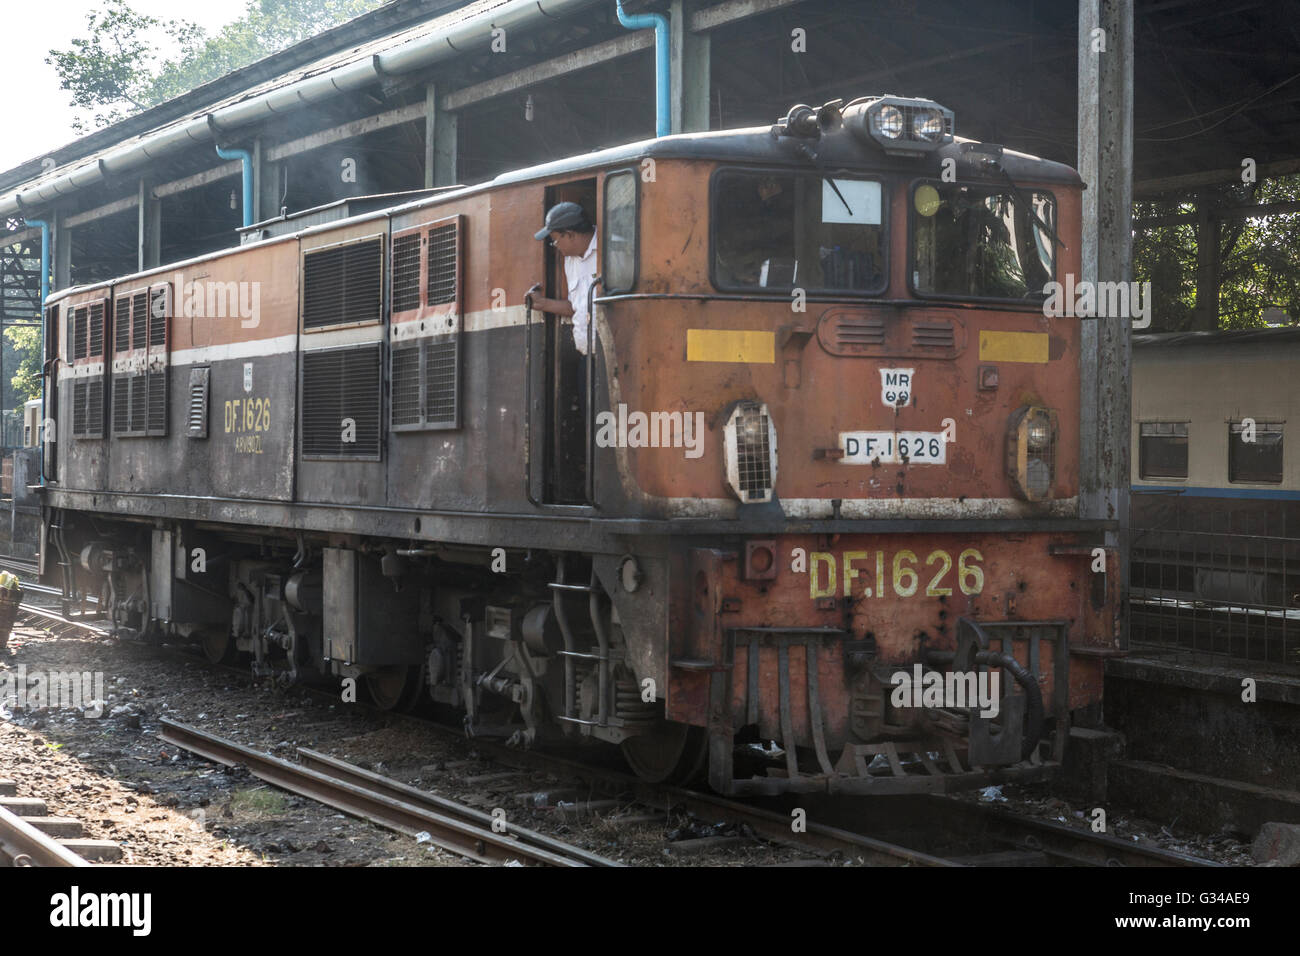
(981,242)
(775,231)
(1255,452)
(1162,450)
(619,236)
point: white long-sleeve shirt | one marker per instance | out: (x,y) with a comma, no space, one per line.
(579,271)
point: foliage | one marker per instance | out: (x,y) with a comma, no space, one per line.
(1259,259)
(118,69)
(22,347)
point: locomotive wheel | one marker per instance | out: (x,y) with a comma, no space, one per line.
(218,646)
(394,688)
(672,753)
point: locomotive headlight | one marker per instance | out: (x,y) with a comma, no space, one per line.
(1031,451)
(889,122)
(928,125)
(749,450)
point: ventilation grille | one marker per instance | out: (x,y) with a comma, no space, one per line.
(343,284)
(442,264)
(933,335)
(157,423)
(406,385)
(157,319)
(139,319)
(122,325)
(97,311)
(859,331)
(196,421)
(77,319)
(139,398)
(121,404)
(341,402)
(406,273)
(88,407)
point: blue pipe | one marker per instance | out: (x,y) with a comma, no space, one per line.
(45,294)
(247,158)
(640,21)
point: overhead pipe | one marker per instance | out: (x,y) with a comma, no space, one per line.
(472,35)
(641,21)
(45,294)
(247,158)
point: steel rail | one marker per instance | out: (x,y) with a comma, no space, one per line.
(24,845)
(459,836)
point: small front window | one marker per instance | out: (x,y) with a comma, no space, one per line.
(778,231)
(980,242)
(619,235)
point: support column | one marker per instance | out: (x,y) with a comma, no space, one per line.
(61,236)
(1106,165)
(439,142)
(149,230)
(689,68)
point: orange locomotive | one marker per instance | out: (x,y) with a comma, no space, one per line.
(803,510)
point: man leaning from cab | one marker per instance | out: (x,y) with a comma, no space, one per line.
(574,237)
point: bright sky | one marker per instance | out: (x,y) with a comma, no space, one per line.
(35,114)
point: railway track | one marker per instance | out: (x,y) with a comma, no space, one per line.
(935,831)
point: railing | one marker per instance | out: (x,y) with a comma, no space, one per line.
(1216,580)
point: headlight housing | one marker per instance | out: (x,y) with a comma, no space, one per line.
(900,125)
(1031,451)
(749,450)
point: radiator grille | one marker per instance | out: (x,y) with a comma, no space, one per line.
(121,404)
(406,273)
(77,319)
(343,284)
(157,318)
(122,325)
(138,398)
(406,385)
(139,319)
(441,368)
(339,385)
(97,311)
(157,421)
(88,407)
(442,264)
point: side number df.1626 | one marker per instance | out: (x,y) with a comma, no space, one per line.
(904,572)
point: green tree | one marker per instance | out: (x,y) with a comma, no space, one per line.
(23,347)
(118,68)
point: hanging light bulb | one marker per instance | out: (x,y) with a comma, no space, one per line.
(528,108)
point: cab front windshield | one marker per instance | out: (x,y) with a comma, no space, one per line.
(978,242)
(777,231)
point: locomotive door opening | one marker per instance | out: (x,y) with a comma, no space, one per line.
(50,413)
(566,372)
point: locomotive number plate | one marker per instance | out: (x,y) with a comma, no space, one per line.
(893,448)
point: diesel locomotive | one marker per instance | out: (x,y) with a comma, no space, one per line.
(823,436)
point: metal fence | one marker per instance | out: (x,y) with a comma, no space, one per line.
(1216,580)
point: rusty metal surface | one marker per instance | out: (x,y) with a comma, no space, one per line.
(464,838)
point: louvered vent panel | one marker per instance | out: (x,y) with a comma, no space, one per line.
(139,319)
(197,419)
(157,402)
(338,385)
(95,406)
(342,284)
(442,264)
(406,273)
(139,396)
(122,326)
(79,333)
(441,367)
(79,407)
(157,318)
(97,330)
(406,385)
(121,404)
(934,335)
(859,331)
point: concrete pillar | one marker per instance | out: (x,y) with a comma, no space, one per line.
(439,142)
(149,230)
(1106,165)
(690,70)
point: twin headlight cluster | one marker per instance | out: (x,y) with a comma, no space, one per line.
(749,447)
(900,125)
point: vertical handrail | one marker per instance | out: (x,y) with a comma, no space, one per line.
(591,392)
(528,400)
